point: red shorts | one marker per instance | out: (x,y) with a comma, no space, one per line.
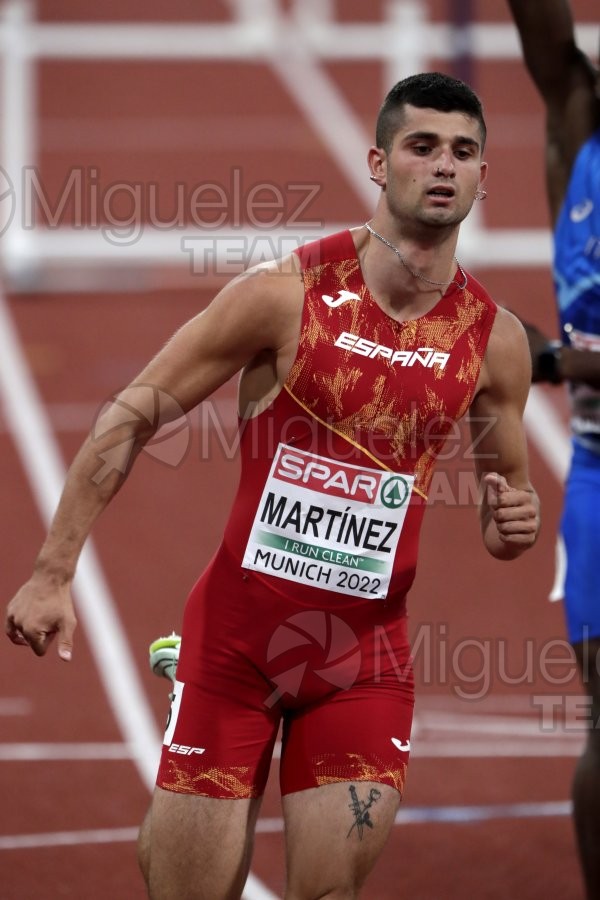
(338,676)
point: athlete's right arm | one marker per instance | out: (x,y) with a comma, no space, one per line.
(253,314)
(565,79)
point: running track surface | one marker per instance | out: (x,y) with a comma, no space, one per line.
(486,807)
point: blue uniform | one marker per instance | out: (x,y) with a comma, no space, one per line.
(577,282)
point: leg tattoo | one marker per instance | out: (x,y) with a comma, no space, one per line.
(360,809)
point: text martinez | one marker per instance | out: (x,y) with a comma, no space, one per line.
(329,524)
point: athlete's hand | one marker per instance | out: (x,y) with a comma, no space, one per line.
(38,613)
(514,513)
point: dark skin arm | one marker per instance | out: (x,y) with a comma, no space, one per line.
(567,83)
(573,364)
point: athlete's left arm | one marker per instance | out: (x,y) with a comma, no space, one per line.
(509,508)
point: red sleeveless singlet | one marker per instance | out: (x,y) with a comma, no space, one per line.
(335,472)
(301,613)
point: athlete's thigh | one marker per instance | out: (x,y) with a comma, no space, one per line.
(580,527)
(199,847)
(334,836)
(343,767)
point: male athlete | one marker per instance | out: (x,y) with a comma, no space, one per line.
(570,87)
(358,353)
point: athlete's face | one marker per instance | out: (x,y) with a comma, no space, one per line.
(433,168)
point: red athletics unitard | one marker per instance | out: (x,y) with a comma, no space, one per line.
(301,614)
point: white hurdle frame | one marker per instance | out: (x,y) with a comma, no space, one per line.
(399,42)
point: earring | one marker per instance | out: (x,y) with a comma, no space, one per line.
(481,195)
(373,178)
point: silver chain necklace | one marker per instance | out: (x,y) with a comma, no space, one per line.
(415,274)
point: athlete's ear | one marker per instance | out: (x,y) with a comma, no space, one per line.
(377,165)
(483,172)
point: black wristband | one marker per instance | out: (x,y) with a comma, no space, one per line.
(548,363)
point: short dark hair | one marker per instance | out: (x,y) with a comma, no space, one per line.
(428,90)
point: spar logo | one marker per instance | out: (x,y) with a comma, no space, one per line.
(395,492)
(326,476)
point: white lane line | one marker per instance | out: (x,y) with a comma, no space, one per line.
(444,704)
(506,749)
(466,814)
(406,816)
(256,890)
(548,746)
(508,726)
(551,437)
(456,814)
(528,741)
(28,752)
(68,838)
(15,706)
(41,459)
(548,432)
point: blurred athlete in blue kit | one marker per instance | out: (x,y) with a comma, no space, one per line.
(569,85)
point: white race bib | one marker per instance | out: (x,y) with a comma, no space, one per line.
(328,524)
